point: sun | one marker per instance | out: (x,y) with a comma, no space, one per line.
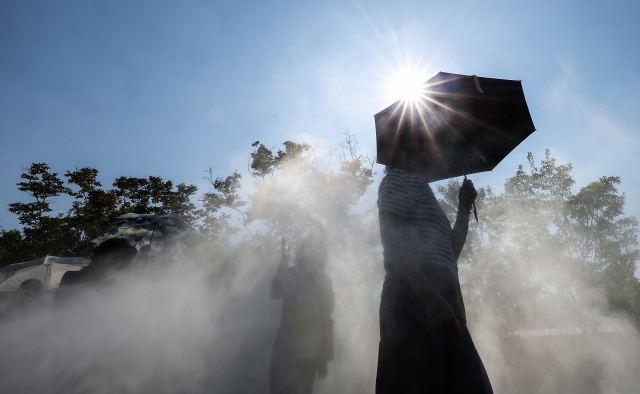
(406,85)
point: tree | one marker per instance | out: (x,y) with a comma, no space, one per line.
(604,241)
(537,243)
(154,195)
(42,232)
(13,247)
(213,222)
(179,202)
(262,161)
(304,191)
(92,209)
(538,246)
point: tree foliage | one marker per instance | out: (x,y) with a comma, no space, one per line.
(92,208)
(308,191)
(289,195)
(537,243)
(41,230)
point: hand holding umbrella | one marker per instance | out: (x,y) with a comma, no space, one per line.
(467,196)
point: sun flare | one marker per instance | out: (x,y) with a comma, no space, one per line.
(406,85)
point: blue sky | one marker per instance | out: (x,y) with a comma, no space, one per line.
(171,88)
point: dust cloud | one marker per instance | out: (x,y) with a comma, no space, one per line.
(206,323)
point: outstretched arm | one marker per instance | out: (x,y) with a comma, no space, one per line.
(276,284)
(466,197)
(393,229)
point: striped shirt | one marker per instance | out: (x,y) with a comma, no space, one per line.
(429,231)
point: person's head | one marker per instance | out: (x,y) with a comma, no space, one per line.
(415,152)
(114,253)
(312,252)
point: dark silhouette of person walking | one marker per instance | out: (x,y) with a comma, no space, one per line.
(425,346)
(304,343)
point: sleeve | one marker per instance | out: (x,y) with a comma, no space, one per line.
(394,195)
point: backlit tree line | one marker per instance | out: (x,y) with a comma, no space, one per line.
(537,242)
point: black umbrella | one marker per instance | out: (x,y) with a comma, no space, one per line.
(473,121)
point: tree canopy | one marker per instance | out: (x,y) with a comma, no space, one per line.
(540,246)
(537,244)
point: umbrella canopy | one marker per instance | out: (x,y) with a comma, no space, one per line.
(48,270)
(473,121)
(161,236)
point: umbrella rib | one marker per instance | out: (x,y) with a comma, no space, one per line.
(474,131)
(395,109)
(424,121)
(474,146)
(396,137)
(388,121)
(463,115)
(431,112)
(443,81)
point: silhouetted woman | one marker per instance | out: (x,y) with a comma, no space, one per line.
(304,342)
(425,346)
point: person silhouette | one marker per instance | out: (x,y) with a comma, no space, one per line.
(425,346)
(304,343)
